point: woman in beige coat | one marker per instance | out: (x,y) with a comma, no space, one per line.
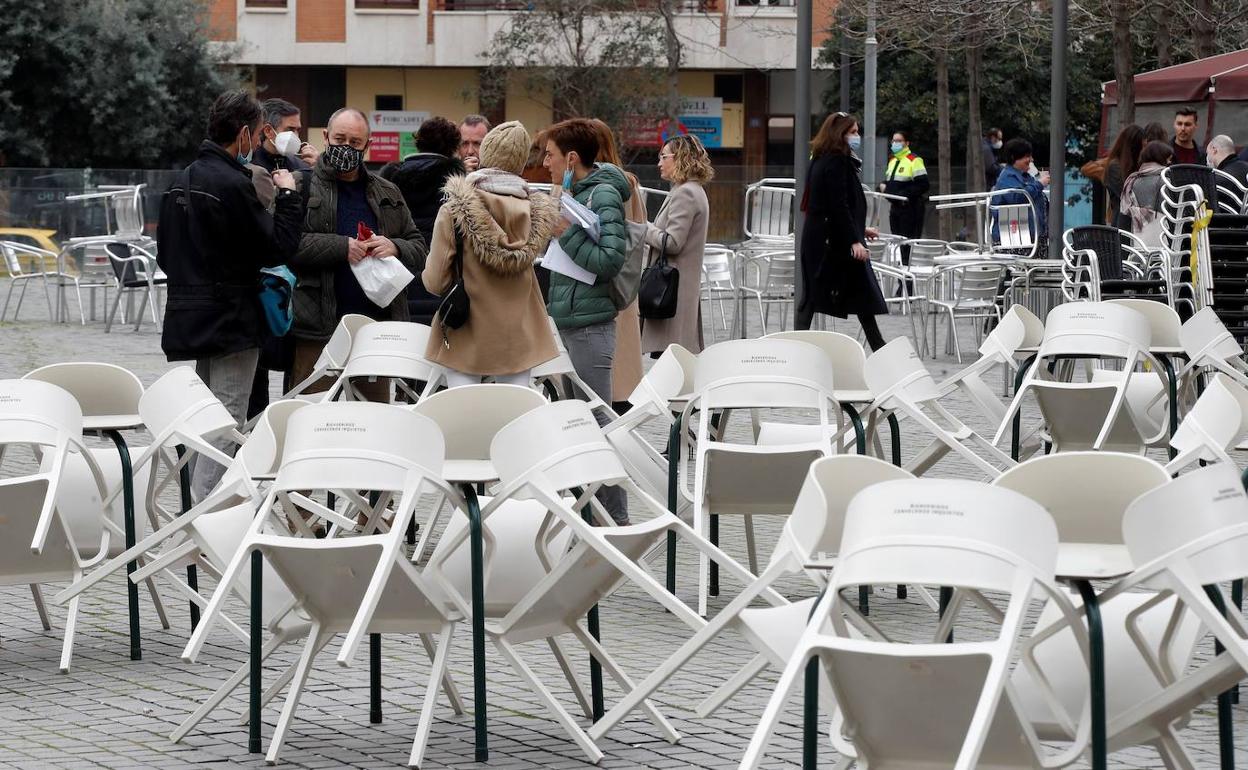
(681,227)
(503,228)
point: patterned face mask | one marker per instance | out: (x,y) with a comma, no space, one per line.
(343,157)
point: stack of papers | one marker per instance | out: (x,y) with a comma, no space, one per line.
(556,259)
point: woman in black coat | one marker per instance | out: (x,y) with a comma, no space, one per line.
(837,278)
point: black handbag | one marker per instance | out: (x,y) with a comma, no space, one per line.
(660,285)
(455,303)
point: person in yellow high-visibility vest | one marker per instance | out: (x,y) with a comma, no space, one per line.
(905,176)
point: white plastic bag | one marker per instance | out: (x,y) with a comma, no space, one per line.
(381,278)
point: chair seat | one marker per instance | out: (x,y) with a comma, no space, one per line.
(853,396)
(1097,561)
(469,471)
(775,631)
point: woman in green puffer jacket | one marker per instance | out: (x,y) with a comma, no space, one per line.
(585,314)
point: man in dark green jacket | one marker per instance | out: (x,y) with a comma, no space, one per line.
(341,194)
(583,312)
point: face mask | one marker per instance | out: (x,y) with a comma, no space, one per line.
(896,147)
(567,179)
(287,143)
(245,159)
(996,145)
(854,142)
(343,158)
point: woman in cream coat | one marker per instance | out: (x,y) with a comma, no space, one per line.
(683,220)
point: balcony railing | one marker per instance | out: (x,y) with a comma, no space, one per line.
(685,6)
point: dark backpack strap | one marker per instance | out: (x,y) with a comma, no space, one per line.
(305,186)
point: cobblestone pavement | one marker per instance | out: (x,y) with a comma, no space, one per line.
(112,712)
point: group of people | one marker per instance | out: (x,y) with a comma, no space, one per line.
(1131,173)
(458,214)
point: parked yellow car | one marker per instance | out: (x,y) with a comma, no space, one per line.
(27,236)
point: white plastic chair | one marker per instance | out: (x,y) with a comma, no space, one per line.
(557,456)
(469,417)
(1092,414)
(930,703)
(749,479)
(334,355)
(903,387)
(347,448)
(41,541)
(393,350)
(770,278)
(1215,425)
(1019,328)
(559,379)
(1209,345)
(811,535)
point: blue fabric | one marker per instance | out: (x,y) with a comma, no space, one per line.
(1013,179)
(277,286)
(352,209)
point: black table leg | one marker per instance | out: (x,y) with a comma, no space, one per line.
(374,678)
(946,596)
(1172,390)
(127,496)
(1226,721)
(592,625)
(477,555)
(1096,640)
(713,590)
(810,707)
(257,630)
(860,435)
(1017,423)
(192,574)
(673,492)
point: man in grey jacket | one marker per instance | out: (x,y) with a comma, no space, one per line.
(341,195)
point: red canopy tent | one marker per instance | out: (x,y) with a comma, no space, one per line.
(1217,87)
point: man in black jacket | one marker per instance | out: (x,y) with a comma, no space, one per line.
(213,239)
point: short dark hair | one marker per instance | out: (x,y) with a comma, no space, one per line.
(231,111)
(1156,152)
(1156,132)
(576,135)
(1016,148)
(905,135)
(476,120)
(438,135)
(993,132)
(1188,111)
(276,109)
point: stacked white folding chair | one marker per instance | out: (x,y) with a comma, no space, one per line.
(752,479)
(375,589)
(175,543)
(335,354)
(393,350)
(1091,414)
(40,541)
(811,536)
(1210,346)
(1155,618)
(1213,427)
(557,456)
(903,387)
(932,703)
(469,417)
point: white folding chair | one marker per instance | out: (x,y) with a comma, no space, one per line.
(349,448)
(930,703)
(387,350)
(42,541)
(770,278)
(334,355)
(752,479)
(1209,345)
(1019,328)
(13,254)
(559,379)
(849,362)
(1215,425)
(469,418)
(136,271)
(1091,414)
(557,456)
(904,388)
(811,536)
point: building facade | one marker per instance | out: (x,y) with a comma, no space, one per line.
(401,60)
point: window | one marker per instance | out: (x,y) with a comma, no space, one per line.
(393,5)
(266,3)
(388,102)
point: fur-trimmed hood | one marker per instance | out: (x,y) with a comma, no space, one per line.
(506,232)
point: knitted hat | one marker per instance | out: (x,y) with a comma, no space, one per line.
(506,147)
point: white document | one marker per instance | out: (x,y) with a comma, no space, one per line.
(557,260)
(582,215)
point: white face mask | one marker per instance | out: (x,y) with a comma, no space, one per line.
(287,143)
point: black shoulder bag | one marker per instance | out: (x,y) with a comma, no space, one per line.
(660,284)
(455,305)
